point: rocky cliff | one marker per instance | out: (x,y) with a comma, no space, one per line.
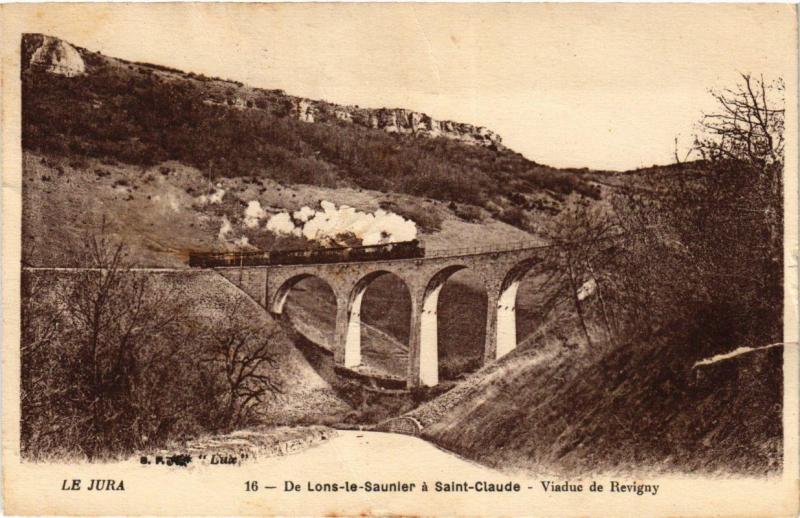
(394,120)
(53,55)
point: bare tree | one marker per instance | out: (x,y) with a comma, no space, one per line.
(41,322)
(243,357)
(748,125)
(122,328)
(115,360)
(583,235)
(746,134)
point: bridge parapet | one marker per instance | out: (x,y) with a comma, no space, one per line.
(487,249)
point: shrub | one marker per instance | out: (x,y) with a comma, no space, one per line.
(79,163)
(455,367)
(513,216)
(426,219)
(469,213)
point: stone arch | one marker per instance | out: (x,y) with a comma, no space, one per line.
(352,336)
(506,339)
(429,326)
(278,301)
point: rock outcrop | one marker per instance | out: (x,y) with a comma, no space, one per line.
(303,110)
(396,120)
(421,124)
(52,55)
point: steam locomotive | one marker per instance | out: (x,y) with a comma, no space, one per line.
(402,250)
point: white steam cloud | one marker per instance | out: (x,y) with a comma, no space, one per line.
(303,214)
(253,214)
(225,229)
(242,242)
(215,197)
(282,223)
(224,235)
(331,222)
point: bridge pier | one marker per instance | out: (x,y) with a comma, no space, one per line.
(352,338)
(490,343)
(415,367)
(429,338)
(340,333)
(507,321)
(501,319)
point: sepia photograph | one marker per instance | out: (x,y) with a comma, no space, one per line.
(370,260)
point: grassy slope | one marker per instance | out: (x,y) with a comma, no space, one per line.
(158,210)
(306,397)
(631,407)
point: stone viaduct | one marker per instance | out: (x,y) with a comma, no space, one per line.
(500,270)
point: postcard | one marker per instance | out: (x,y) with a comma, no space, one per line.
(386,259)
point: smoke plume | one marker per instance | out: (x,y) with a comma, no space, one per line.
(331,224)
(225,229)
(253,214)
(215,197)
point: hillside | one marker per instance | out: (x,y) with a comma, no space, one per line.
(147,115)
(642,407)
(165,211)
(305,396)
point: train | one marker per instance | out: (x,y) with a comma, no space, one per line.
(345,254)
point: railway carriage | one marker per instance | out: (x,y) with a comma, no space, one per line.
(345,254)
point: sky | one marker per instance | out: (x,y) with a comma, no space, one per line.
(568,85)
